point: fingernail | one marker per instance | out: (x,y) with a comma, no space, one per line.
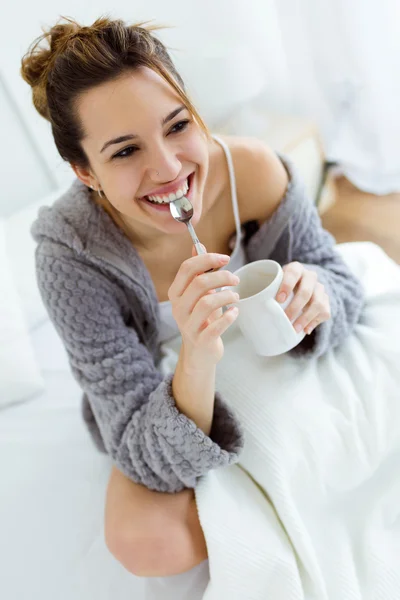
(281,297)
(224,257)
(298,328)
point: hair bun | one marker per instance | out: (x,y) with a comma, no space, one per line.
(36,63)
(61,33)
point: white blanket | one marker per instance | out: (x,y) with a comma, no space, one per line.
(313,510)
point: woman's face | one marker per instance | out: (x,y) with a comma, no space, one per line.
(141,141)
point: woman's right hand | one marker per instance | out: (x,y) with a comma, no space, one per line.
(197,307)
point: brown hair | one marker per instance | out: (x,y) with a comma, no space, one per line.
(79,58)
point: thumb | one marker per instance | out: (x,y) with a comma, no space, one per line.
(194,251)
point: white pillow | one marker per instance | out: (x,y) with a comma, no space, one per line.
(21,253)
(20,377)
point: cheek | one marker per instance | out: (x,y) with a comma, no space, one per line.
(124,182)
(122,185)
(196,147)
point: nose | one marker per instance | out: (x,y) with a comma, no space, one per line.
(163,164)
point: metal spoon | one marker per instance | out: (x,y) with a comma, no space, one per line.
(182,210)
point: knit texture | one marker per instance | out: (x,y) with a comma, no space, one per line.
(102,301)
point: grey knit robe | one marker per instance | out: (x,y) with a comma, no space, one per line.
(102,302)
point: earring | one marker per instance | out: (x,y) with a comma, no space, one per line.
(98,191)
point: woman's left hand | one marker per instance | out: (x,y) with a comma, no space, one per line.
(309,296)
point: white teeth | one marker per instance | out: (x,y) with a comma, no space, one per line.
(167,198)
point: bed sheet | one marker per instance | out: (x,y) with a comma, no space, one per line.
(53,484)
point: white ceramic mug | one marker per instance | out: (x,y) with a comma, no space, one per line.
(261,318)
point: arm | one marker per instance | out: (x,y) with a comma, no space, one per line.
(293,232)
(194,391)
(150,440)
(314,247)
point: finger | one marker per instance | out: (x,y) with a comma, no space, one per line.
(195,253)
(218,327)
(206,306)
(318,310)
(217,313)
(192,267)
(324,316)
(305,319)
(291,275)
(202,285)
(302,295)
(312,326)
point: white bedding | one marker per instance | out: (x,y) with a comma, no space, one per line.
(286,547)
(323,444)
(16,353)
(53,485)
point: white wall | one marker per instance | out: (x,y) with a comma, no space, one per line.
(20,160)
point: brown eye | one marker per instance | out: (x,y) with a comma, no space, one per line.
(180,126)
(126,152)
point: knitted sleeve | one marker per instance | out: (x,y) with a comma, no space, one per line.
(149,439)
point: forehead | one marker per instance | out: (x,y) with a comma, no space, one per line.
(109,108)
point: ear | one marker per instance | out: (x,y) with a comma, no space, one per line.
(85,175)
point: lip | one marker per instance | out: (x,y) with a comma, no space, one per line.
(167,189)
(165,207)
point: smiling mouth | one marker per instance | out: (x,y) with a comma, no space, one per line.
(165,199)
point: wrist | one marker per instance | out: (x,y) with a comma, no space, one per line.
(193,388)
(192,363)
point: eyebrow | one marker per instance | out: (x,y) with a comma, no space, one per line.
(132,136)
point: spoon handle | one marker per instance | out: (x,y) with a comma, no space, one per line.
(196,242)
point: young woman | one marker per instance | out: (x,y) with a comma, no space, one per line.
(119,276)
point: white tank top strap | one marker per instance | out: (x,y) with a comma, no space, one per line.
(232,181)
